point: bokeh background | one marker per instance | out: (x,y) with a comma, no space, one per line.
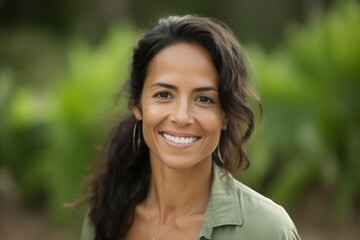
(62,63)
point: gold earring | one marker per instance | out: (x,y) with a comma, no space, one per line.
(219,155)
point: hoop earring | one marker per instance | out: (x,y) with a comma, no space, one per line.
(219,155)
(136,131)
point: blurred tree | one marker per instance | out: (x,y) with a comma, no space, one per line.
(47,137)
(310,92)
(258,20)
(54,89)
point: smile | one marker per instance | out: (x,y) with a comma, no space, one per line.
(179,140)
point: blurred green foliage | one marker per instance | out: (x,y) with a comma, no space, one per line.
(310,91)
(309,87)
(48,136)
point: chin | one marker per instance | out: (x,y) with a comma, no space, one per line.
(180,162)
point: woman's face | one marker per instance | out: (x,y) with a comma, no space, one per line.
(180,106)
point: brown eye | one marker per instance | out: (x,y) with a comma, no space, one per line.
(204,99)
(162,95)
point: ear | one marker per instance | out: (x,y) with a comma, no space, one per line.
(136,111)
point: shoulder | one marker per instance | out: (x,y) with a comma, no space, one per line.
(263,218)
(236,211)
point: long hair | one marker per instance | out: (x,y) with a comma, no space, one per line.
(121,180)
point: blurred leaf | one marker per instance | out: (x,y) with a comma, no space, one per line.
(310,90)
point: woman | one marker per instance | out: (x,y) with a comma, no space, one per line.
(167,168)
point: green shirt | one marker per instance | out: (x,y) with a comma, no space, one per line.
(237,212)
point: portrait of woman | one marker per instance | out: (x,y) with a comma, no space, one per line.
(167,169)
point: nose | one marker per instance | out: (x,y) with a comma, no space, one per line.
(182,114)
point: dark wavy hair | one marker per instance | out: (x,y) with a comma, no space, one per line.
(121,178)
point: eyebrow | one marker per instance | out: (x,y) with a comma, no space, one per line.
(199,89)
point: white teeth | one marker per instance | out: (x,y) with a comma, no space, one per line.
(179,140)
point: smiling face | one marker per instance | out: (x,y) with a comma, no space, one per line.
(180,106)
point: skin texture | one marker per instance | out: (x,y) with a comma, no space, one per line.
(179,99)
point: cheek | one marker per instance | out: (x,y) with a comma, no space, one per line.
(211,121)
(152,116)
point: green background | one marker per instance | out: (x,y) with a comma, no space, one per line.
(62,64)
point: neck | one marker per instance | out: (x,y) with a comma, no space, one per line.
(175,192)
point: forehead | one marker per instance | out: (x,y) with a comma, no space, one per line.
(182,51)
(183,61)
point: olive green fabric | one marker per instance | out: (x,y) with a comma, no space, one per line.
(87,232)
(237,212)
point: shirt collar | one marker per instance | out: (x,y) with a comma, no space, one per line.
(224,205)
